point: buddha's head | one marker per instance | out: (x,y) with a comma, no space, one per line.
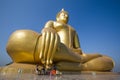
(62,16)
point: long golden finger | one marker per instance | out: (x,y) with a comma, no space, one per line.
(47,42)
(54,48)
(50,48)
(42,45)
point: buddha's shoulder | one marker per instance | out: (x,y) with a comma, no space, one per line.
(50,21)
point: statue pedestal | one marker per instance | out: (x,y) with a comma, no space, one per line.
(27,72)
(85,76)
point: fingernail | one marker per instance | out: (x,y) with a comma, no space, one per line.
(50,61)
(43,61)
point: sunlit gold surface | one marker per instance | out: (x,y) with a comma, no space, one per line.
(57,44)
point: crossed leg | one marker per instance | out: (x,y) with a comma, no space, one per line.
(102,63)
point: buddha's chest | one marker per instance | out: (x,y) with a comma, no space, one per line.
(63,32)
(64,36)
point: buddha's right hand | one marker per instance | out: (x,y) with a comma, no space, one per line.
(50,40)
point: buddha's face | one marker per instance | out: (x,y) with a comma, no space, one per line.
(63,17)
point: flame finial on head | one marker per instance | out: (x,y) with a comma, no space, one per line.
(62,9)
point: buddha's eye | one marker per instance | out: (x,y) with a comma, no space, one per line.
(66,15)
(62,14)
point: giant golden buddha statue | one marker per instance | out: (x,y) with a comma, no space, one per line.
(58,45)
